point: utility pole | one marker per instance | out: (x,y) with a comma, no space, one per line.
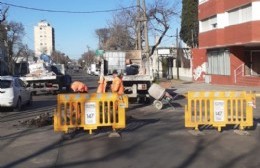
(177,53)
(139,40)
(145,28)
(147,62)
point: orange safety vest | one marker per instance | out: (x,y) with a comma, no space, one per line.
(117,86)
(102,85)
(78,86)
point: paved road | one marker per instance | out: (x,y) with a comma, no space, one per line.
(158,139)
(17,140)
(152,138)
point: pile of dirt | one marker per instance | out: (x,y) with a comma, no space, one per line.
(39,121)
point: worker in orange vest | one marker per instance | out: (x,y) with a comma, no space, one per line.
(102,85)
(78,86)
(117,83)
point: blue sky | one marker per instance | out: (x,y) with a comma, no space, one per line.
(73,32)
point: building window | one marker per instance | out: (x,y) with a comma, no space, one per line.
(218,62)
(240,15)
(209,24)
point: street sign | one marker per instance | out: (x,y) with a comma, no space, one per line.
(100,52)
(90,113)
(219,110)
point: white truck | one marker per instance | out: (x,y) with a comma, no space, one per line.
(44,77)
(94,69)
(136,81)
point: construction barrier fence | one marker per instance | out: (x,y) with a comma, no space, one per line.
(219,109)
(90,111)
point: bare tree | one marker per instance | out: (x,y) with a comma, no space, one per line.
(159,16)
(15,34)
(59,57)
(103,35)
(123,27)
(3,14)
(88,57)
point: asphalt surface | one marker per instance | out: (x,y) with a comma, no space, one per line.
(152,138)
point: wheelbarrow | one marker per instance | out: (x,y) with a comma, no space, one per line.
(160,95)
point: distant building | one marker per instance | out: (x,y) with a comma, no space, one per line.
(44,39)
(229,43)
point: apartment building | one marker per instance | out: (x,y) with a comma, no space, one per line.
(229,42)
(44,39)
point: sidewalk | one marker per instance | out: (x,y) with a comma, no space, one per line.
(185,86)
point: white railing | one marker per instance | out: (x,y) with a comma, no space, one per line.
(239,70)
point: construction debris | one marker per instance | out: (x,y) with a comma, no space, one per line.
(39,121)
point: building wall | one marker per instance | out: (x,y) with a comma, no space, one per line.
(232,25)
(213,7)
(44,39)
(199,62)
(237,59)
(185,74)
(228,23)
(246,33)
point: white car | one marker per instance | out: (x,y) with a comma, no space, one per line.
(88,71)
(13,93)
(96,73)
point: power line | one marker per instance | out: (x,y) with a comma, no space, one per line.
(65,11)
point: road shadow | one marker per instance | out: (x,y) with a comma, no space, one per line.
(132,124)
(175,95)
(230,127)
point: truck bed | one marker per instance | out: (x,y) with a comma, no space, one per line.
(38,78)
(132,78)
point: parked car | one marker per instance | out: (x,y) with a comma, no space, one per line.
(97,72)
(13,93)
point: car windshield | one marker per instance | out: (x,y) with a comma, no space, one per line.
(5,84)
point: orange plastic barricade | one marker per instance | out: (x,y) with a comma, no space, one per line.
(90,111)
(219,109)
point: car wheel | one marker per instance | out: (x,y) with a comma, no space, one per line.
(18,105)
(30,101)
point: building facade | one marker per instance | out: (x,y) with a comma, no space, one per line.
(44,39)
(229,42)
